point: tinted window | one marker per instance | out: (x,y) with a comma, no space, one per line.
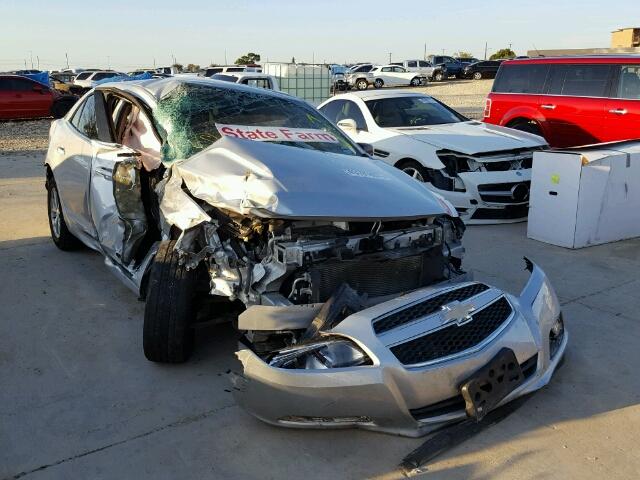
(85,121)
(224,78)
(83,75)
(412,64)
(212,71)
(411,112)
(398,69)
(387,69)
(364,68)
(22,84)
(527,78)
(5,84)
(579,80)
(101,76)
(351,110)
(629,82)
(235,69)
(331,109)
(422,63)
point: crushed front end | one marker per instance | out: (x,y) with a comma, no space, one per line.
(406,365)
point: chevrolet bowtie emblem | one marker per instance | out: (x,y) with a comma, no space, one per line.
(457,311)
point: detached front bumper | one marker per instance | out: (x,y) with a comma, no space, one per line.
(406,390)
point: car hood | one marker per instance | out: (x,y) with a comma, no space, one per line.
(278,181)
(472,137)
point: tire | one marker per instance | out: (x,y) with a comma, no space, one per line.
(438,76)
(378,83)
(170,309)
(60,234)
(414,170)
(527,126)
(60,108)
(477,76)
(362,84)
(415,82)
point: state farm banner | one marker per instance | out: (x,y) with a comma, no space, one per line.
(275,134)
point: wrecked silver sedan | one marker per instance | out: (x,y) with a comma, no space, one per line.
(356,309)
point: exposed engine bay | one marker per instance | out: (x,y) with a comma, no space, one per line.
(282,263)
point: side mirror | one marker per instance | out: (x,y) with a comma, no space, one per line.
(367,147)
(348,124)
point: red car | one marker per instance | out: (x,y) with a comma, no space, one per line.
(569,100)
(21,97)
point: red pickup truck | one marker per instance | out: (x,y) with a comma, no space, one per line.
(569,100)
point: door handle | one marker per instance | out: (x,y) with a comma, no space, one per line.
(618,111)
(548,107)
(60,150)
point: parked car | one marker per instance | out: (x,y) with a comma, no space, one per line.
(339,77)
(88,79)
(252,79)
(356,77)
(206,192)
(451,67)
(569,100)
(430,71)
(484,171)
(21,97)
(63,83)
(479,70)
(394,76)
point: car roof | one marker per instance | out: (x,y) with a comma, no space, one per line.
(578,59)
(375,94)
(159,87)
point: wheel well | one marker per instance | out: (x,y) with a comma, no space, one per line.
(48,175)
(518,120)
(403,161)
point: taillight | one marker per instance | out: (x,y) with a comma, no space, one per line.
(487,108)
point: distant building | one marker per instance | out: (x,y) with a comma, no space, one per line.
(625,38)
(624,41)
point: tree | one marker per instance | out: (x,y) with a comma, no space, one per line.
(462,54)
(193,68)
(178,66)
(503,53)
(248,59)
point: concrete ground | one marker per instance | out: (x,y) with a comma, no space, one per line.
(79,400)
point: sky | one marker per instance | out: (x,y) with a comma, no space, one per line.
(125,35)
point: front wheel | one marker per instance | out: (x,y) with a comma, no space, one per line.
(438,77)
(170,309)
(60,234)
(378,83)
(362,84)
(477,76)
(415,82)
(414,170)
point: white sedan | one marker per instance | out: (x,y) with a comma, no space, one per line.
(483,170)
(89,79)
(394,76)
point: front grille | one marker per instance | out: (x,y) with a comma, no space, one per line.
(510,212)
(456,404)
(378,274)
(426,307)
(454,339)
(513,192)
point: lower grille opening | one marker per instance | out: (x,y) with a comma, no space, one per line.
(456,404)
(509,212)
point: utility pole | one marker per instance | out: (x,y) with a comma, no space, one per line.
(67,57)
(38,59)
(425,52)
(485,50)
(31,56)
(25,63)
(443,51)
(108,62)
(390,57)
(225,56)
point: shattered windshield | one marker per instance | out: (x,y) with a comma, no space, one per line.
(194,116)
(411,112)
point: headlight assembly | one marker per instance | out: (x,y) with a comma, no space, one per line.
(333,352)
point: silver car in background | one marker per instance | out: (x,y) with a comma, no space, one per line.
(355,308)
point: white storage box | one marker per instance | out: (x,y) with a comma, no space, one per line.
(586,195)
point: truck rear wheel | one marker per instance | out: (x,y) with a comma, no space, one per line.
(362,84)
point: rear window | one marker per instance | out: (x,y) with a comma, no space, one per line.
(83,75)
(580,80)
(101,76)
(524,78)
